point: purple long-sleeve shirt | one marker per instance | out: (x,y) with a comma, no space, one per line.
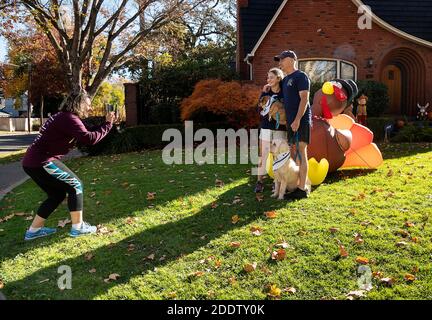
(58,136)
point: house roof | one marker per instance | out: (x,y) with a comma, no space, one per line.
(255,19)
(411,17)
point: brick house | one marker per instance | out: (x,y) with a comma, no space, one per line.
(397,50)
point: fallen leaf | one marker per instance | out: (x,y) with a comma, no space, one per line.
(63,223)
(334,230)
(409,224)
(28,218)
(415,269)
(151,195)
(256,231)
(102,230)
(232,280)
(271,214)
(218,263)
(112,277)
(342,251)
(355,294)
(198,274)
(6,218)
(401,244)
(290,290)
(92,270)
(284,245)
(390,173)
(151,256)
(278,255)
(219,183)
(88,256)
(274,291)
(362,260)
(250,267)
(259,197)
(235,219)
(45,280)
(410,277)
(387,281)
(415,239)
(358,238)
(172,295)
(214,205)
(235,244)
(131,220)
(131,247)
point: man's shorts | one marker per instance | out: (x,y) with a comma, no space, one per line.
(304,133)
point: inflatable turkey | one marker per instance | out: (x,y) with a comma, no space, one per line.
(335,136)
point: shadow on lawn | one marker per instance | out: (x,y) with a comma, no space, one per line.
(171,241)
(13,241)
(401,150)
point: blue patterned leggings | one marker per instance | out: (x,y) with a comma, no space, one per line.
(57,180)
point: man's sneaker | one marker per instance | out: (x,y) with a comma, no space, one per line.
(297,194)
(84,230)
(43,232)
(259,187)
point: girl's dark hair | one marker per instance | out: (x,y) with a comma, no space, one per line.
(74,103)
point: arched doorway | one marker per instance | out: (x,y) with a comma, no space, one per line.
(404,72)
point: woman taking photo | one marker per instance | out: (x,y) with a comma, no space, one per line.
(41,162)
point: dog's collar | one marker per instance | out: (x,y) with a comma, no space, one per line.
(281,160)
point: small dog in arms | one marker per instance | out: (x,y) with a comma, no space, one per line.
(286,171)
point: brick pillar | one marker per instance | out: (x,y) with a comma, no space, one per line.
(131,104)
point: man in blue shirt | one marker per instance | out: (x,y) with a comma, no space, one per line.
(296,90)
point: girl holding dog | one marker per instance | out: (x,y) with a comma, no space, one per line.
(270,129)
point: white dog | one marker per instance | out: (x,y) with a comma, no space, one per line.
(286,171)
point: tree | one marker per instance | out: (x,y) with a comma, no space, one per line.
(74,26)
(108,94)
(234,100)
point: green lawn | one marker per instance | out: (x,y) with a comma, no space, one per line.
(177,246)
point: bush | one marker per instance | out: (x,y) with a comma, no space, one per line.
(138,138)
(377,125)
(235,100)
(419,132)
(377,93)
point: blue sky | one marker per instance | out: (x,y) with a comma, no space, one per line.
(3,49)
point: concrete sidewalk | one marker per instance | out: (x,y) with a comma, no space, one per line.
(12,174)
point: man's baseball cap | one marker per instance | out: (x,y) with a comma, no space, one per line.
(286,54)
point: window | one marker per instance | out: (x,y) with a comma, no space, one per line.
(326,70)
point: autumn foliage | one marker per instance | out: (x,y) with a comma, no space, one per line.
(235,100)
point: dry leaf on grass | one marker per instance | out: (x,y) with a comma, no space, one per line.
(358,239)
(151,195)
(271,214)
(92,270)
(362,260)
(259,197)
(235,244)
(410,277)
(342,251)
(334,230)
(356,294)
(387,281)
(290,290)
(112,277)
(279,255)
(219,183)
(274,291)
(89,256)
(235,219)
(250,267)
(150,257)
(256,231)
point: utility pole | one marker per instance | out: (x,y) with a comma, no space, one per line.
(28,98)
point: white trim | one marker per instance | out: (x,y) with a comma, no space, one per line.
(358,3)
(272,21)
